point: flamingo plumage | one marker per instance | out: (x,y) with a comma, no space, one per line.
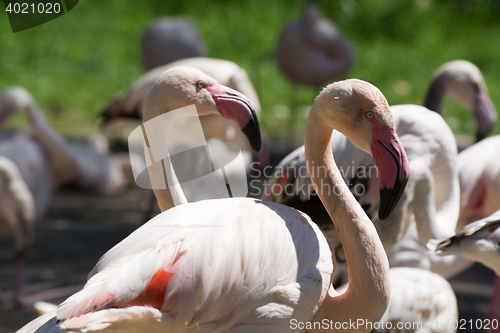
(207,265)
(127,108)
(421,301)
(479,241)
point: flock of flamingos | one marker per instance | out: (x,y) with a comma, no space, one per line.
(314,260)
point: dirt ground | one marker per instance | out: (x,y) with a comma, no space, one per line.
(80,227)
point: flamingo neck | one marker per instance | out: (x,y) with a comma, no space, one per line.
(432,224)
(63,165)
(166,186)
(435,95)
(368,293)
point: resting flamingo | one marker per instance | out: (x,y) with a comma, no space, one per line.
(265,264)
(463,81)
(169,39)
(312,51)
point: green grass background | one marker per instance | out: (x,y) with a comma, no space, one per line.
(75,64)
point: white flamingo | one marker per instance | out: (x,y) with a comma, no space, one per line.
(463,81)
(127,108)
(17,216)
(431,197)
(479,181)
(44,164)
(479,172)
(26,192)
(479,175)
(74,164)
(260,264)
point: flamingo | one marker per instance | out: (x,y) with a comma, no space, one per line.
(70,163)
(312,51)
(32,158)
(431,196)
(17,215)
(166,40)
(479,181)
(26,184)
(479,241)
(463,81)
(126,109)
(241,264)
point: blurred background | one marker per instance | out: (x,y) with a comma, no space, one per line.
(77,63)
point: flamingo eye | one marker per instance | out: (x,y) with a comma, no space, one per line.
(201,84)
(369,115)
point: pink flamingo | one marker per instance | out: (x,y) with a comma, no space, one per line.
(261,265)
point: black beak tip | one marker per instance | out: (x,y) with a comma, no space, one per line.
(252,132)
(389,197)
(383,213)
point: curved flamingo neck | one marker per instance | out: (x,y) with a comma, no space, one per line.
(163,173)
(435,94)
(368,293)
(63,165)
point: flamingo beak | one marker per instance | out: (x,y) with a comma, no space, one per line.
(237,107)
(485,113)
(394,169)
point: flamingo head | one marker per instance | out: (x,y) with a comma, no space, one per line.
(182,86)
(363,115)
(463,81)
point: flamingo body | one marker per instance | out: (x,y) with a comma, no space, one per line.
(219,255)
(479,175)
(240,264)
(479,172)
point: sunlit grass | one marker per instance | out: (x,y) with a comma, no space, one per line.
(74,65)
